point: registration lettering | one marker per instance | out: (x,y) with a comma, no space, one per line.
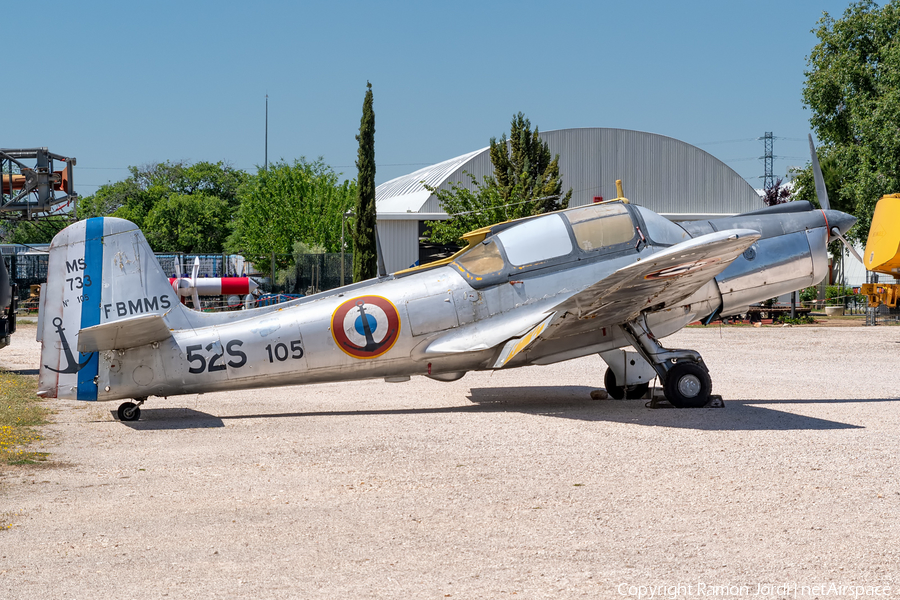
(138,306)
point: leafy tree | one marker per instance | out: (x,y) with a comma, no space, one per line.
(365,257)
(288,203)
(852,88)
(524,170)
(777,194)
(108,199)
(37,231)
(526,182)
(161,190)
(472,208)
(188,223)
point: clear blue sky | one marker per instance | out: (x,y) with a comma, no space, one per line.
(128,83)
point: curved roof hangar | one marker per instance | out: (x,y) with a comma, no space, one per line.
(666,175)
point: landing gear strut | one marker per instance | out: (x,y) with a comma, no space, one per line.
(685,378)
(129,411)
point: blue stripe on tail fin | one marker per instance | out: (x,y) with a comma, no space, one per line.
(90,307)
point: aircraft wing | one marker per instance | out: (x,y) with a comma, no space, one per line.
(489,333)
(659,280)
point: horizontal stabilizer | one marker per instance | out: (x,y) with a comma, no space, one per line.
(127,333)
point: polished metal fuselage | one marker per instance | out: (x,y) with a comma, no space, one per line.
(297,342)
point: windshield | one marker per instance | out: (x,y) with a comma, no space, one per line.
(482,259)
(597,227)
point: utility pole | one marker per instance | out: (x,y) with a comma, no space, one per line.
(267,132)
(769,160)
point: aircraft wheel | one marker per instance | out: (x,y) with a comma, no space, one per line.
(618,392)
(687,385)
(129,411)
(609,381)
(637,391)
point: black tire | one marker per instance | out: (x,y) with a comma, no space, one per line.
(687,385)
(609,381)
(619,392)
(129,411)
(637,391)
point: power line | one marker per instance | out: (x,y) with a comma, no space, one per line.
(726,142)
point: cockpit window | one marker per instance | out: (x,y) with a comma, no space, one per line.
(482,259)
(597,227)
(536,240)
(661,230)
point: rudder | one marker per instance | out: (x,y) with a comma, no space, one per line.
(100,270)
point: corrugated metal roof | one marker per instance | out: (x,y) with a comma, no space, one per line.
(413,184)
(659,172)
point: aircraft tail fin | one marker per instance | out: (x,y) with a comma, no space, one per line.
(100,271)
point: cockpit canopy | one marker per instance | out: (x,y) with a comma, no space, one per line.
(591,230)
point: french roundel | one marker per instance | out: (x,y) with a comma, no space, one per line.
(365,327)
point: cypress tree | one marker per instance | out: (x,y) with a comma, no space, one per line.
(365,258)
(524,169)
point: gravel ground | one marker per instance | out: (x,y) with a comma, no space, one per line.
(498,485)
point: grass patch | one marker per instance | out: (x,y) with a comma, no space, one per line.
(802,320)
(20,412)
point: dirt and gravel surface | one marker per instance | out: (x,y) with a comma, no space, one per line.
(511,484)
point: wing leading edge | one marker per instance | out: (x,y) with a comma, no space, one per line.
(660,280)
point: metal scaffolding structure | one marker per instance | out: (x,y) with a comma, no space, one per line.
(30,192)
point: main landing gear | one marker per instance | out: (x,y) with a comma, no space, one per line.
(129,411)
(685,378)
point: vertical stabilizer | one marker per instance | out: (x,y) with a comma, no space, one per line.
(100,270)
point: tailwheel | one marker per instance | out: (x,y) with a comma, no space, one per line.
(687,385)
(618,391)
(129,411)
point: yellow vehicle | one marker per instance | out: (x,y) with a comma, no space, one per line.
(882,254)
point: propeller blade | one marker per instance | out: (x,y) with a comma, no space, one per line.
(177,281)
(195,270)
(837,233)
(821,192)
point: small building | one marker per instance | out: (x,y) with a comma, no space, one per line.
(668,176)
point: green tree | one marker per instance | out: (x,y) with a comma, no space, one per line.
(852,88)
(524,169)
(147,191)
(108,199)
(365,256)
(188,223)
(526,182)
(37,231)
(288,203)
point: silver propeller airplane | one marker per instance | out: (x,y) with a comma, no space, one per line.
(536,291)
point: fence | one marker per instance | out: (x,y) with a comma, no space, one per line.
(26,269)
